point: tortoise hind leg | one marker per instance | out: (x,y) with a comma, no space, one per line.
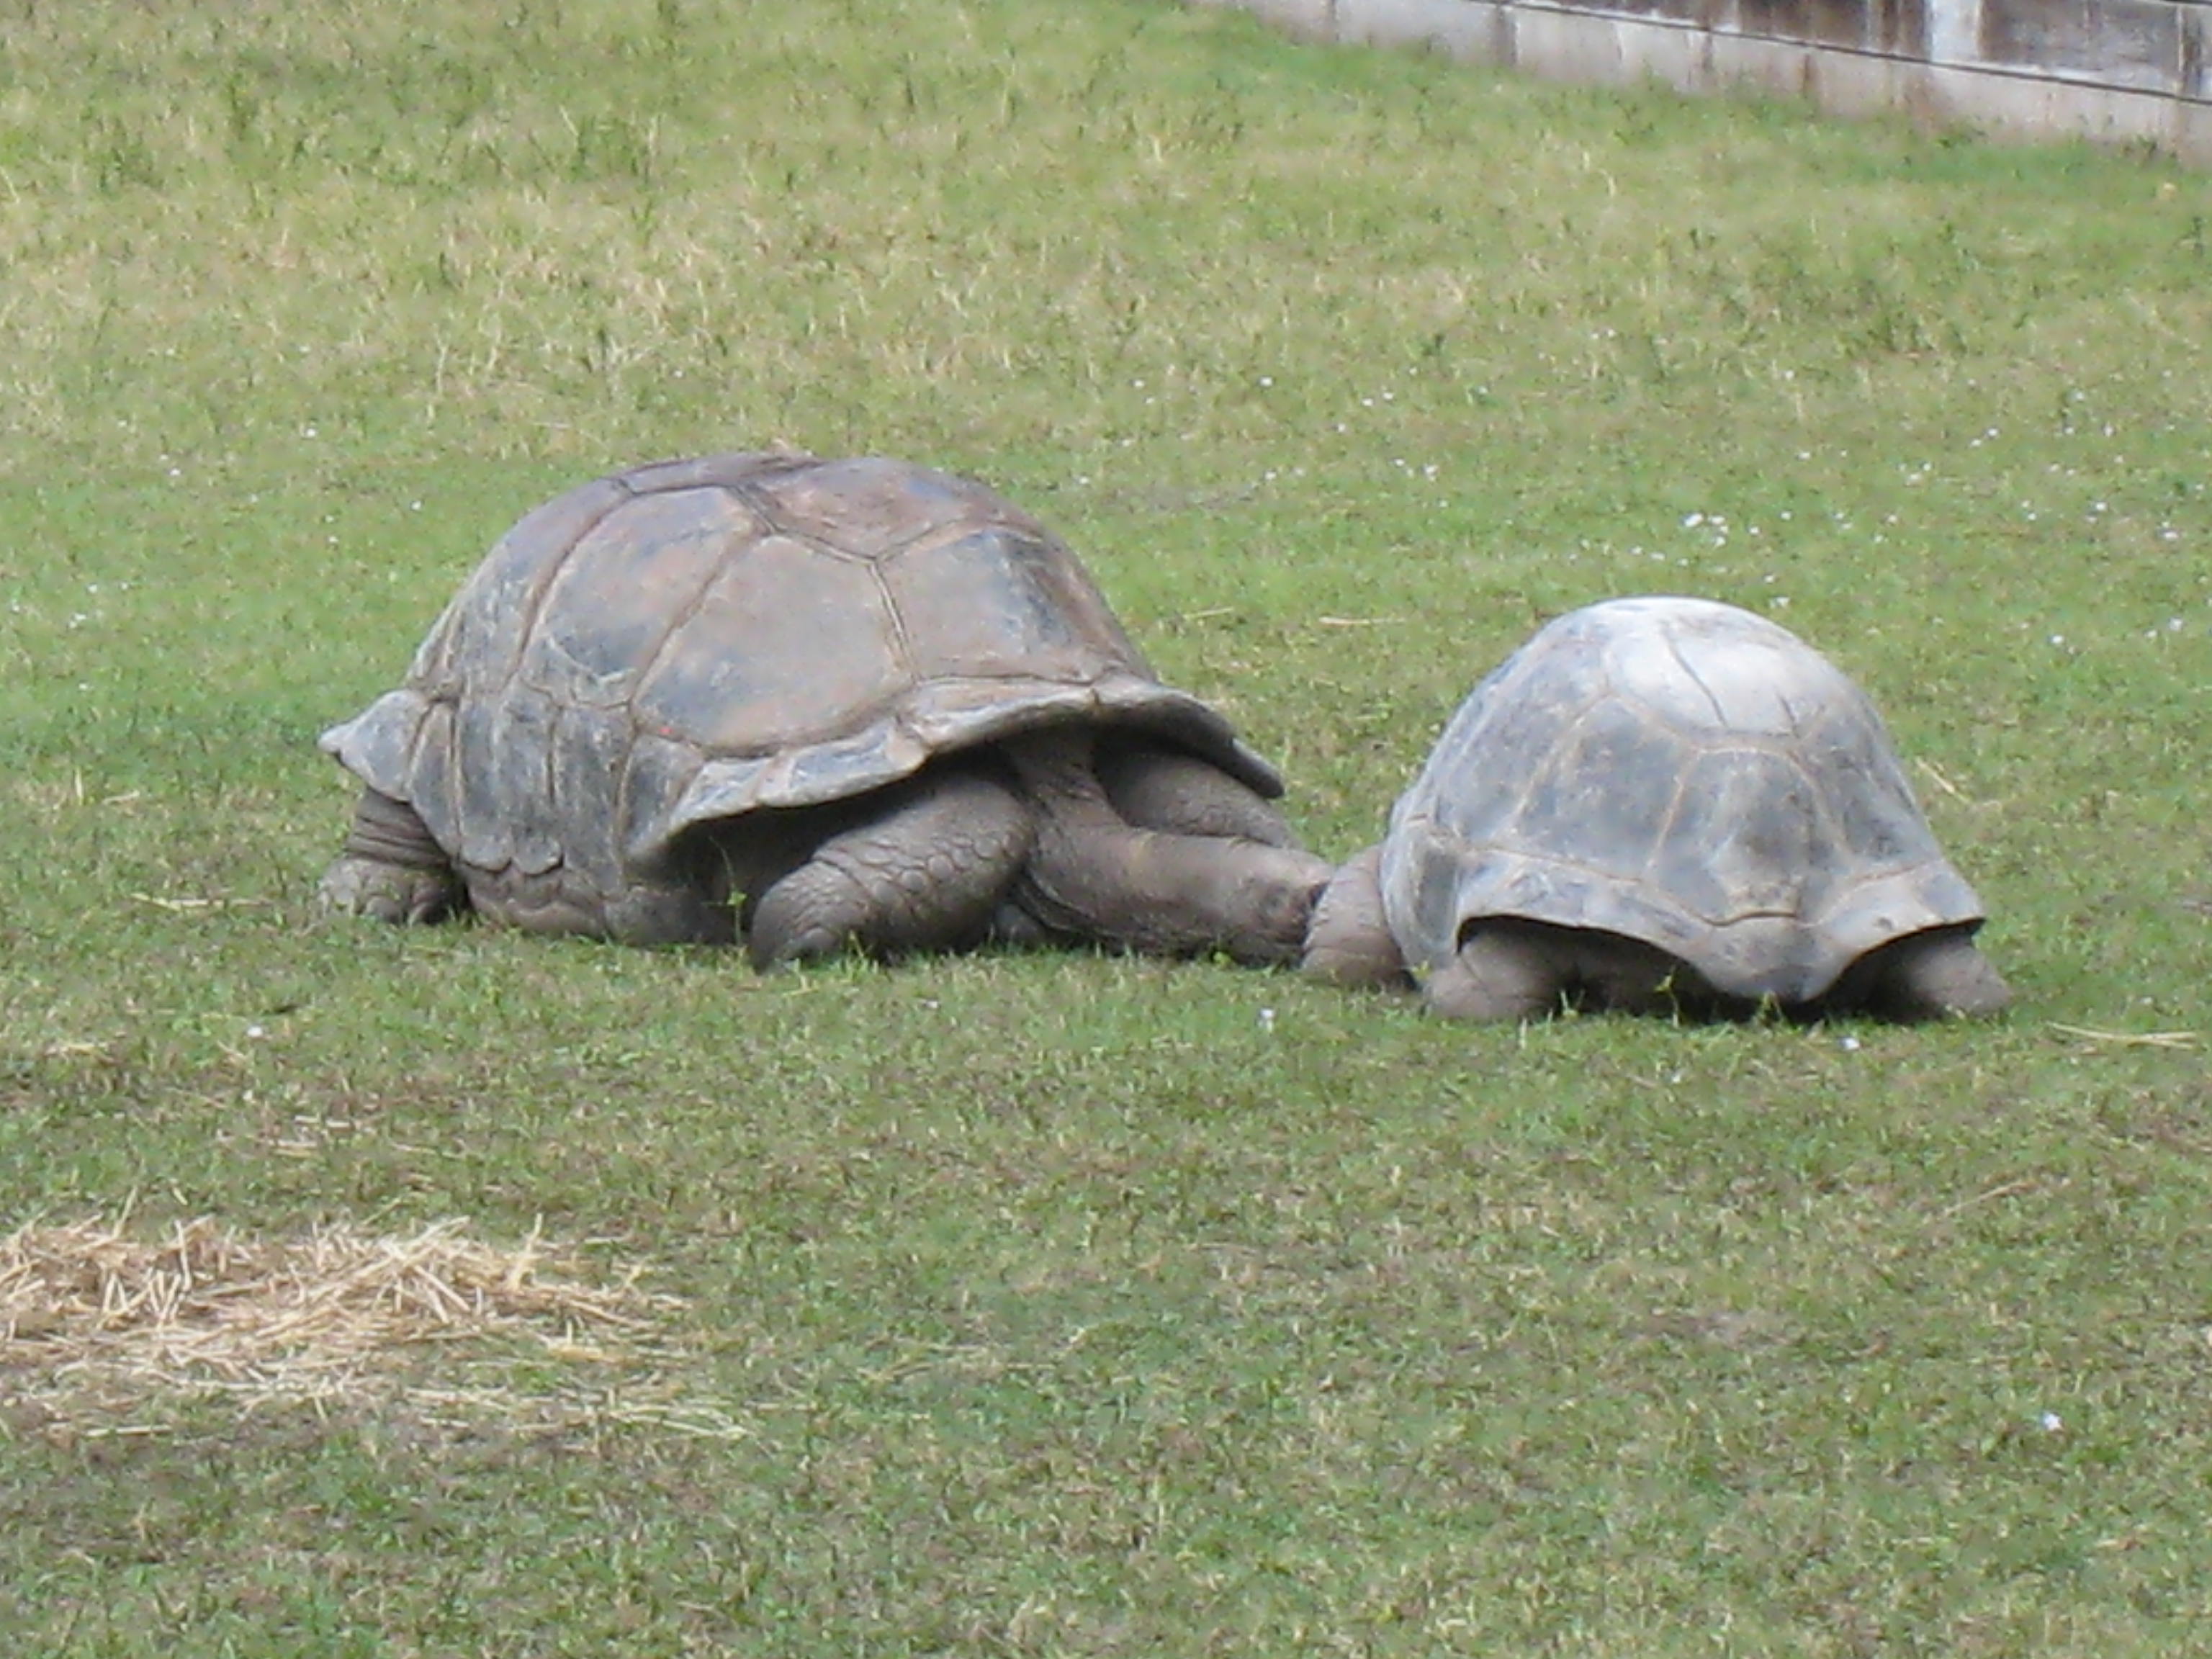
(1156,788)
(391,868)
(1096,876)
(1929,975)
(926,873)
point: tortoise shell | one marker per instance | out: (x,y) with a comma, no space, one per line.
(700,639)
(1679,772)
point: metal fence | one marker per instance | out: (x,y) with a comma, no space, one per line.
(2122,70)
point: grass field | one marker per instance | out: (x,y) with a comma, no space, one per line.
(461,1293)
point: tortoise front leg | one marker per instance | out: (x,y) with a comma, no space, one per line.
(391,868)
(926,874)
(1502,971)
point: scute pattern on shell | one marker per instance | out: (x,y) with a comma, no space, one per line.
(1680,772)
(701,639)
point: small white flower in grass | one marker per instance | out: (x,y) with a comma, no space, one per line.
(1692,521)
(1850,1045)
(1267,1019)
(2058,639)
(1267,379)
(256,1031)
(2051,1422)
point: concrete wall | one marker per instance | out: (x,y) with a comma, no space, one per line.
(2111,71)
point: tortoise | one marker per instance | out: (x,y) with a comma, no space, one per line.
(1661,803)
(808,705)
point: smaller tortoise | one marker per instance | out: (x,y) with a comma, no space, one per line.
(1661,803)
(812,705)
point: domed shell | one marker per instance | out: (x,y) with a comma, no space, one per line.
(1680,772)
(700,639)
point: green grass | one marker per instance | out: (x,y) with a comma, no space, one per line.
(1073,1305)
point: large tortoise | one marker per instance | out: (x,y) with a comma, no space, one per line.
(810,705)
(1661,803)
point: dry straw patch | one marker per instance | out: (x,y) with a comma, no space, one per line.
(93,1316)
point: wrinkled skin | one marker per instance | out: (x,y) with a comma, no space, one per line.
(1508,968)
(1051,834)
